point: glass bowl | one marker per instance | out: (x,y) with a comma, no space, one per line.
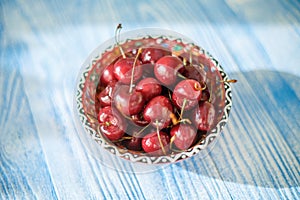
(85,101)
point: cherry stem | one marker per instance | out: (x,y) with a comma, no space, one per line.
(185,120)
(181,76)
(170,96)
(133,67)
(182,109)
(142,129)
(184,61)
(175,121)
(229,81)
(191,52)
(159,139)
(198,87)
(122,139)
(210,93)
(107,123)
(172,140)
(91,118)
(117,39)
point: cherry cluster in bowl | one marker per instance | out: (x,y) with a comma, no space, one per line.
(150,101)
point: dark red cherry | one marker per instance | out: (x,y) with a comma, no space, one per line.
(151,55)
(107,75)
(184,135)
(148,70)
(138,120)
(187,91)
(123,70)
(204,116)
(205,95)
(157,112)
(135,144)
(149,87)
(195,72)
(156,143)
(128,103)
(166,69)
(111,124)
(105,96)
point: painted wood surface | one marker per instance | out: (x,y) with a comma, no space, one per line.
(44,43)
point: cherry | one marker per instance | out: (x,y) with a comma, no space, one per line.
(134,140)
(126,69)
(151,55)
(157,112)
(156,143)
(135,144)
(137,119)
(111,124)
(187,91)
(149,87)
(204,116)
(166,69)
(183,135)
(195,72)
(105,96)
(107,75)
(147,70)
(205,95)
(128,103)
(123,70)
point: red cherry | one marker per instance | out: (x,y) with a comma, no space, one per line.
(156,143)
(111,124)
(137,119)
(166,69)
(147,70)
(157,112)
(123,70)
(204,116)
(195,72)
(205,95)
(184,135)
(149,87)
(135,144)
(105,96)
(188,90)
(151,55)
(107,75)
(128,103)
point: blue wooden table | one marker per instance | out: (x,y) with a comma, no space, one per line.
(43,45)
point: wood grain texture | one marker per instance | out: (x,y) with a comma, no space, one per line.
(43,45)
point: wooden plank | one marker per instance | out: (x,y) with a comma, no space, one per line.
(23,170)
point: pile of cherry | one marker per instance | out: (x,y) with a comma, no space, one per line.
(151,101)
